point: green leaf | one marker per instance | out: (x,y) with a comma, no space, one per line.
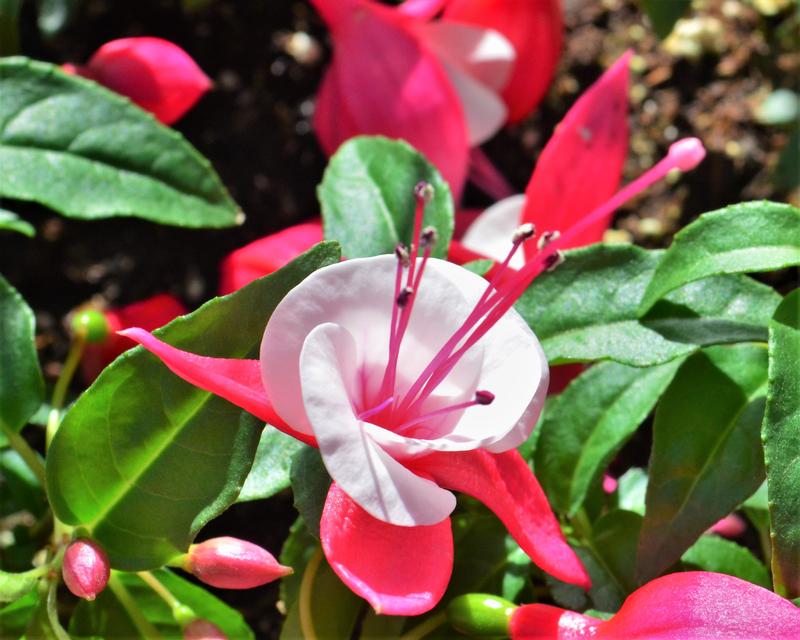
(631,490)
(310,484)
(712,553)
(367,197)
(589,423)
(73,146)
(9,27)
(13,586)
(21,384)
(19,488)
(10,221)
(270,471)
(587,309)
(143,459)
(480,267)
(781,436)
(706,456)
(787,173)
(105,617)
(664,14)
(14,618)
(613,544)
(747,237)
(296,552)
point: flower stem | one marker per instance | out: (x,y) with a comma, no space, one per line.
(142,624)
(52,612)
(304,603)
(28,455)
(62,385)
(422,630)
(155,584)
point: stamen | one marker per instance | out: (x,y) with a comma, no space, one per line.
(404,296)
(401,253)
(524,232)
(552,260)
(548,237)
(376,409)
(428,238)
(481,398)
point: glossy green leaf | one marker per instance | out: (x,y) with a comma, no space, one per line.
(86,152)
(14,618)
(631,490)
(587,309)
(13,586)
(664,14)
(21,384)
(367,197)
(107,618)
(19,488)
(143,459)
(310,484)
(742,238)
(712,553)
(613,545)
(270,471)
(589,423)
(781,434)
(10,221)
(707,455)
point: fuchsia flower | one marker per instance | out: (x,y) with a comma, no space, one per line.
(230,563)
(149,314)
(731,526)
(268,254)
(156,74)
(85,568)
(412,376)
(394,72)
(578,172)
(695,605)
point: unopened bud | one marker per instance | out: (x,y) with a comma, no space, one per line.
(203,630)
(85,569)
(553,260)
(91,324)
(480,615)
(230,563)
(401,253)
(687,153)
(428,237)
(524,232)
(404,296)
(548,237)
(484,397)
(424,191)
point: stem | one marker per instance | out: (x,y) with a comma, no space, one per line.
(306,585)
(142,624)
(52,612)
(155,584)
(28,455)
(62,385)
(422,630)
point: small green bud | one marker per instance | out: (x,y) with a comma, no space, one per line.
(183,615)
(91,324)
(481,615)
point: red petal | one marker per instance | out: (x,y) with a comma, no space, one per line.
(238,381)
(382,81)
(400,571)
(262,257)
(534,28)
(581,166)
(545,622)
(424,9)
(505,484)
(156,74)
(698,605)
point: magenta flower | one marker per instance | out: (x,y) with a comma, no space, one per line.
(435,84)
(695,605)
(230,563)
(156,74)
(266,255)
(414,377)
(578,172)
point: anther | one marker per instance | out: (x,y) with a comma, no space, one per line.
(404,296)
(553,260)
(484,397)
(428,237)
(524,232)
(401,252)
(424,191)
(547,238)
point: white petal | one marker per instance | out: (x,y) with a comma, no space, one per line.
(484,111)
(491,233)
(372,478)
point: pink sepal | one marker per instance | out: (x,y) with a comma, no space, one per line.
(236,380)
(400,571)
(569,181)
(505,484)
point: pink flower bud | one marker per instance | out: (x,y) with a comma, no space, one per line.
(203,630)
(230,563)
(731,526)
(85,569)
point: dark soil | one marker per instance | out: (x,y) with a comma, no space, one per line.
(255,129)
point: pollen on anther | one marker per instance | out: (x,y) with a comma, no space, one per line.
(424,190)
(484,397)
(401,252)
(404,296)
(553,260)
(428,237)
(547,238)
(524,232)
